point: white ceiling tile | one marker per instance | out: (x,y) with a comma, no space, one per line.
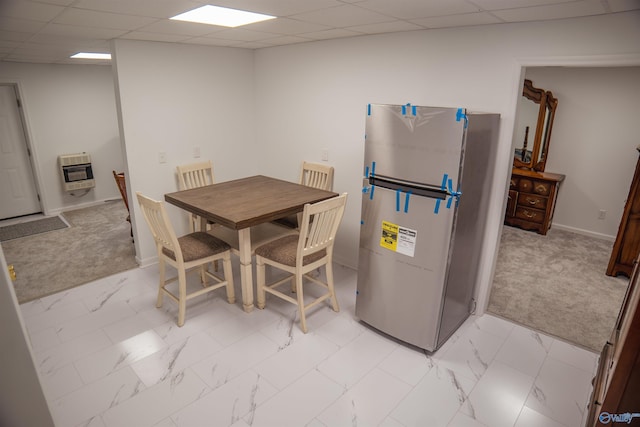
(89,18)
(624,5)
(250,45)
(512,4)
(152,8)
(279,41)
(386,27)
(14,36)
(80,32)
(557,11)
(411,9)
(29,10)
(332,34)
(21,25)
(481,18)
(155,37)
(181,27)
(241,34)
(343,16)
(57,2)
(286,26)
(209,41)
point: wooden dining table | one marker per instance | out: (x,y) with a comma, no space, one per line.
(244,203)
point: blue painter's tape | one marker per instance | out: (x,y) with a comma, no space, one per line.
(404,110)
(366,171)
(437,208)
(361,222)
(461,115)
(368,109)
(406,202)
(449,202)
(413,110)
(373,168)
(398,193)
(373,187)
(365,189)
(445,177)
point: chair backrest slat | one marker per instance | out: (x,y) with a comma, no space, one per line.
(320,223)
(317,175)
(195,175)
(158,220)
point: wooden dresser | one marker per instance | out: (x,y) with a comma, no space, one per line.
(532,199)
(616,387)
(627,245)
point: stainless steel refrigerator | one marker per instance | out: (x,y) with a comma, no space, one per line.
(427,178)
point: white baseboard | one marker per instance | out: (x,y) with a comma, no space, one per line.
(584,232)
(58,211)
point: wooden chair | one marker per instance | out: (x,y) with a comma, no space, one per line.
(194,250)
(300,254)
(316,175)
(122,186)
(195,175)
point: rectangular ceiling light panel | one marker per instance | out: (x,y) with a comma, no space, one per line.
(215,15)
(91,55)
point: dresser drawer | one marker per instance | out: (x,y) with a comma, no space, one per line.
(529,214)
(532,200)
(542,187)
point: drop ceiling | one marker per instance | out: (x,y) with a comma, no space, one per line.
(49,31)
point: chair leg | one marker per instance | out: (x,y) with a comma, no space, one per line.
(161,268)
(182,296)
(260,279)
(303,320)
(228,276)
(334,301)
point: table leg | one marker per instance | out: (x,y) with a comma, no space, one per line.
(246,275)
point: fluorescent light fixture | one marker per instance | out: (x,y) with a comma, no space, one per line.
(91,55)
(216,15)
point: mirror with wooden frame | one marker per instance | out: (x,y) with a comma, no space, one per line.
(534,121)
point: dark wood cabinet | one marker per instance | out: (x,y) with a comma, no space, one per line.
(532,199)
(627,245)
(616,387)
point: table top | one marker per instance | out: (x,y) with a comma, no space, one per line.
(248,201)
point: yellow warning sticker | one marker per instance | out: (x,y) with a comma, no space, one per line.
(398,239)
(389,238)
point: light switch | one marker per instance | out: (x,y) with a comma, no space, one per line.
(325,155)
(162,157)
(196,152)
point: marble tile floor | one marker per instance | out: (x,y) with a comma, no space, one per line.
(108,357)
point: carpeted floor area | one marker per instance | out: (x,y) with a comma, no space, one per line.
(557,284)
(97,244)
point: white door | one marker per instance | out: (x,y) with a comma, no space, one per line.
(17,186)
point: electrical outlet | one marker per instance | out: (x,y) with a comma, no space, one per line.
(325,155)
(162,157)
(602,214)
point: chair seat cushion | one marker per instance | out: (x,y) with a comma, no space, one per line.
(198,245)
(284,250)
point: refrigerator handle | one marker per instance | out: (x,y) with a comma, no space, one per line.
(415,188)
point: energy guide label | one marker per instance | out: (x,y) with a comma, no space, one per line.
(398,239)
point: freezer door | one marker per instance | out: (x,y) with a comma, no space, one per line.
(403,260)
(414,143)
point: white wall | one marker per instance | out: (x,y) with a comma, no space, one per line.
(172,99)
(22,401)
(69,109)
(311,96)
(593,142)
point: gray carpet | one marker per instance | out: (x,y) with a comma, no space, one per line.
(97,244)
(557,284)
(24,229)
